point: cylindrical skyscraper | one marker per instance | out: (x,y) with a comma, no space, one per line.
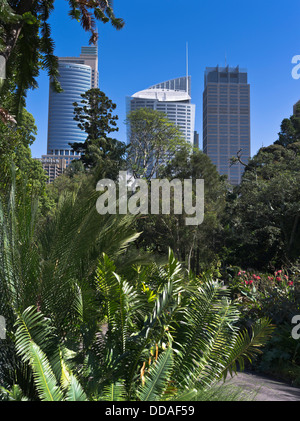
(75,79)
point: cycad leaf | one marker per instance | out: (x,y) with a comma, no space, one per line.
(114,392)
(158,377)
(246,347)
(44,378)
(75,391)
(33,324)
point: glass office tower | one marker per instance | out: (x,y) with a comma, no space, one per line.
(76,76)
(75,79)
(226,118)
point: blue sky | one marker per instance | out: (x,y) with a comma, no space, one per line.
(261,36)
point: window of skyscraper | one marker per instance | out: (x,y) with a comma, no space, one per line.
(223,90)
(212,77)
(223,77)
(223,129)
(223,110)
(243,77)
(244,119)
(233,78)
(212,119)
(244,110)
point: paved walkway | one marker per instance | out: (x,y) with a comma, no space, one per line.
(263,388)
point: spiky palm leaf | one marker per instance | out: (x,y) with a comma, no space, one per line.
(156,380)
(34,333)
(113,392)
(31,353)
(209,340)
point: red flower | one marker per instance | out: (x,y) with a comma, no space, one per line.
(278,278)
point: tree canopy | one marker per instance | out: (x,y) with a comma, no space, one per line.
(154,140)
(95,117)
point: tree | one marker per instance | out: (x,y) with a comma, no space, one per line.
(196,246)
(95,117)
(154,140)
(263,215)
(16,160)
(289,129)
(26,42)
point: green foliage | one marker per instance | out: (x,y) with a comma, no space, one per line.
(262,219)
(181,344)
(16,160)
(153,141)
(99,152)
(158,378)
(27,44)
(289,130)
(196,246)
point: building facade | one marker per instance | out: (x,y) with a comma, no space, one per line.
(53,166)
(226,119)
(76,76)
(173,98)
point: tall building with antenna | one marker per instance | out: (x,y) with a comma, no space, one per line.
(172,97)
(226,119)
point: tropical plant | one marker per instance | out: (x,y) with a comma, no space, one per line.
(175,345)
(48,263)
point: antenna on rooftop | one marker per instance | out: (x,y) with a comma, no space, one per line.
(187,67)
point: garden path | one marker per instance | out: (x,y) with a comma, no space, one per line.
(264,388)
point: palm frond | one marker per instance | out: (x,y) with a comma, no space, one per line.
(114,392)
(247,347)
(157,379)
(45,380)
(75,391)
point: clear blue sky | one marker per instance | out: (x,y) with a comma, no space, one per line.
(261,36)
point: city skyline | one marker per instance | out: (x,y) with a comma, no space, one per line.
(131,58)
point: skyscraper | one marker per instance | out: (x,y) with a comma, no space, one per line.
(172,97)
(77,75)
(226,118)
